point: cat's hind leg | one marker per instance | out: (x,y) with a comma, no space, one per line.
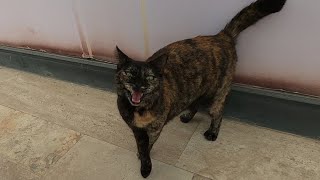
(191,112)
(216,109)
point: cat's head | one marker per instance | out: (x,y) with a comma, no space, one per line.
(139,81)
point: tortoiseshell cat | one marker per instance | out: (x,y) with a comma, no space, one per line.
(181,76)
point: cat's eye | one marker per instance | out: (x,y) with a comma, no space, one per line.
(125,73)
(150,78)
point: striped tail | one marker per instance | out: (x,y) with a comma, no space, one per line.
(252,14)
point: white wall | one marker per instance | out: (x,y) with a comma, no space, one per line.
(279,52)
(282,51)
(39,24)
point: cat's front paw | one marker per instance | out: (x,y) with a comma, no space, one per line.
(210,135)
(146,170)
(185,118)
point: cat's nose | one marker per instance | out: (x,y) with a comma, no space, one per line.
(139,88)
(136,87)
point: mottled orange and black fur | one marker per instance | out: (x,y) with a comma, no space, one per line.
(182,76)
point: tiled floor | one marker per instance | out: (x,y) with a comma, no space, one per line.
(51,129)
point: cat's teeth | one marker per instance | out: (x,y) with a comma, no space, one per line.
(136,97)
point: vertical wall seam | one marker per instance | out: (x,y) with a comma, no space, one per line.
(145,27)
(85,44)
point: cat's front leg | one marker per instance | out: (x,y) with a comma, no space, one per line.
(142,140)
(153,134)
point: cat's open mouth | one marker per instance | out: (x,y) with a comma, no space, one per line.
(136,97)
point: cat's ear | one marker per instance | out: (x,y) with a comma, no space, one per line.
(158,61)
(121,56)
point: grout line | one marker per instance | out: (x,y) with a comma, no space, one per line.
(194,131)
(137,157)
(203,176)
(175,165)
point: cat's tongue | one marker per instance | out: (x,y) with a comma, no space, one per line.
(136,97)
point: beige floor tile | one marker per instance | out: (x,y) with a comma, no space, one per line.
(7,74)
(248,152)
(173,140)
(94,159)
(87,110)
(13,171)
(30,141)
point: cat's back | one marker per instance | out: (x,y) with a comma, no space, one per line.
(193,66)
(200,50)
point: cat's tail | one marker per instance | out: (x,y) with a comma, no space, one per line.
(252,14)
